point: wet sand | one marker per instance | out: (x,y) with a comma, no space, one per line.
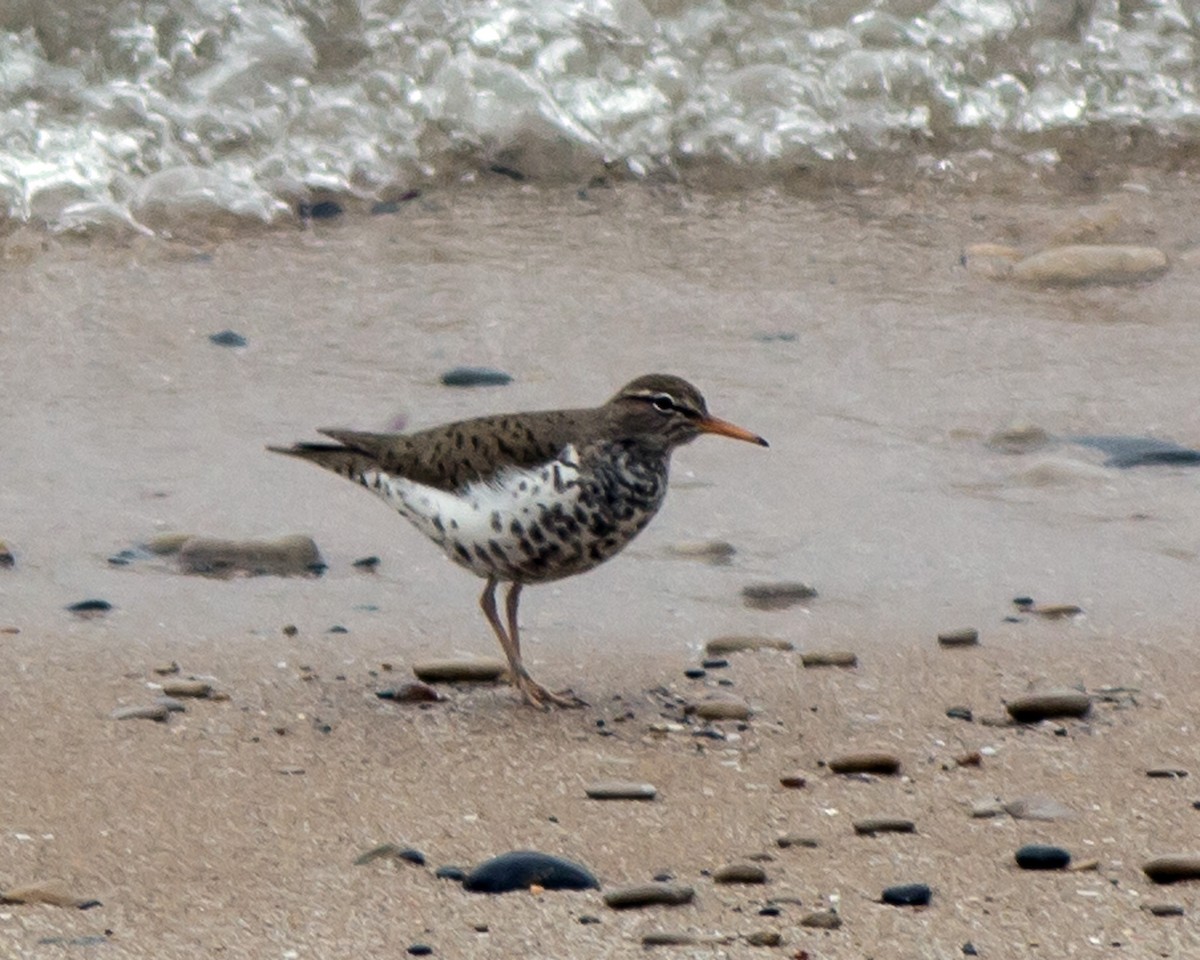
(847,331)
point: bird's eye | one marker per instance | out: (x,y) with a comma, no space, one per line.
(663,403)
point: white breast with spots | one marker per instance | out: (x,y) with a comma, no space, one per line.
(499,527)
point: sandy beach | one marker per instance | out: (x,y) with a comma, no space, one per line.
(848,328)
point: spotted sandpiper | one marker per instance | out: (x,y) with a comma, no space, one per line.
(525,498)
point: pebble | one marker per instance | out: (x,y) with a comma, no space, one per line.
(821,920)
(648,894)
(450,873)
(797,840)
(987,808)
(370,564)
(885,764)
(293,555)
(721,708)
(960,713)
(715,663)
(1049,704)
(793,781)
(521,869)
(412,692)
(50,894)
(85,608)
(764,938)
(1037,808)
(228,338)
(188,688)
(1166,773)
(391,851)
(963,637)
(475,377)
(669,938)
(6,556)
(620,790)
(908,895)
(721,646)
(420,949)
(173,705)
(776,596)
(1079,264)
(740,873)
(1164,909)
(869,826)
(1042,856)
(152,711)
(1173,868)
(1125,452)
(166,544)
(709,551)
(695,673)
(829,658)
(1019,438)
(166,669)
(481,670)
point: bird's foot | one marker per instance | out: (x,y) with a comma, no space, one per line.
(537,695)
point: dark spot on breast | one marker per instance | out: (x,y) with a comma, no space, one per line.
(497,550)
(453,524)
(522,486)
(462,551)
(536,535)
(438,525)
(515,528)
(481,554)
(497,525)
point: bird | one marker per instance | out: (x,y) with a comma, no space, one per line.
(533,497)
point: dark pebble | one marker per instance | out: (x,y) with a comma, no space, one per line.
(228,338)
(475,377)
(521,869)
(965,637)
(884,764)
(1048,705)
(6,556)
(367,563)
(777,336)
(714,663)
(337,628)
(960,713)
(694,673)
(1124,452)
(511,172)
(90,606)
(1173,868)
(1041,856)
(908,895)
(648,894)
(770,911)
(969,950)
(869,826)
(1023,602)
(393,206)
(740,873)
(1166,773)
(420,950)
(124,558)
(1164,909)
(457,874)
(586,919)
(411,855)
(413,692)
(776,596)
(321,210)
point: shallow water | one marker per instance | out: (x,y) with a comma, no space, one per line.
(844,329)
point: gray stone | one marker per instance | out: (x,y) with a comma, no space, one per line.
(884,764)
(522,869)
(152,711)
(648,894)
(963,637)
(777,596)
(869,826)
(197,689)
(295,555)
(1049,704)
(821,920)
(620,790)
(740,873)
(1037,808)
(721,708)
(797,840)
(482,670)
(1173,868)
(829,658)
(1042,856)
(721,646)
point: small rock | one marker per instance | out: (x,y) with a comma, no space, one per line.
(740,873)
(1173,868)
(1080,264)
(321,210)
(390,851)
(475,377)
(228,338)
(153,711)
(987,808)
(1084,866)
(1166,773)
(412,692)
(290,630)
(1164,909)
(648,894)
(715,663)
(669,938)
(1019,438)
(821,920)
(737,644)
(1037,808)
(172,705)
(90,608)
(1049,704)
(776,596)
(709,551)
(1055,611)
(972,758)
(793,781)
(1042,856)
(166,669)
(482,670)
(764,938)
(294,555)
(6,556)
(908,895)
(420,950)
(695,673)
(963,637)
(797,840)
(166,544)
(869,826)
(370,564)
(884,764)
(620,790)
(721,708)
(50,894)
(829,658)
(960,713)
(201,689)
(451,873)
(521,869)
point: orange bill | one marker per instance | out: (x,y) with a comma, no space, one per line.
(726,429)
